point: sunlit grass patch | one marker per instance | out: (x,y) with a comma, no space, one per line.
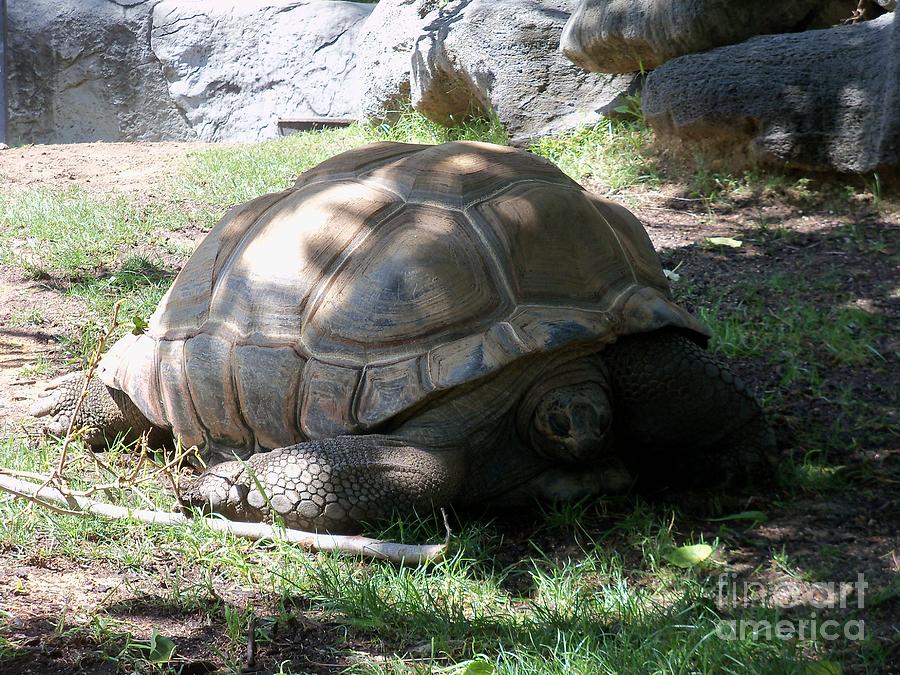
(588,610)
(72,235)
(31,316)
(801,342)
(701,178)
(66,233)
(612,152)
(222,176)
(799,336)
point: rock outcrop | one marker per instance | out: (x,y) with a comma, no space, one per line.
(825,99)
(120,70)
(476,57)
(233,68)
(384,55)
(82,70)
(620,36)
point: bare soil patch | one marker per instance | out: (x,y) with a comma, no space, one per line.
(121,168)
(25,346)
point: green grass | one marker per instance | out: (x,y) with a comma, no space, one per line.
(800,337)
(800,342)
(64,232)
(23,318)
(614,153)
(611,605)
(70,234)
(139,283)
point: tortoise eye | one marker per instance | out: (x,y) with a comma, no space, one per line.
(559,423)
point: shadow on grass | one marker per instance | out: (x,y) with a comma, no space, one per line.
(810,318)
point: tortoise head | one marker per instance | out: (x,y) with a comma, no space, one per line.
(567,414)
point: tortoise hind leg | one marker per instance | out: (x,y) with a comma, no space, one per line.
(334,484)
(106,412)
(682,415)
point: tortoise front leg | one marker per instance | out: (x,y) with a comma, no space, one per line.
(105,412)
(332,485)
(682,416)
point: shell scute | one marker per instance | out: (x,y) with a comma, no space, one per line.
(175,394)
(555,248)
(386,390)
(208,368)
(268,384)
(457,175)
(326,400)
(262,290)
(423,279)
(185,306)
(358,161)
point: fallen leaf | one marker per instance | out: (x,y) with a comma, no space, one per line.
(672,275)
(689,556)
(161,648)
(479,667)
(724,241)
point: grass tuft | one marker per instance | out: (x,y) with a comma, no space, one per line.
(613,153)
(67,233)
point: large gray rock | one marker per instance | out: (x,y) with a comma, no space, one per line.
(233,68)
(502,57)
(119,70)
(82,70)
(826,99)
(384,54)
(621,36)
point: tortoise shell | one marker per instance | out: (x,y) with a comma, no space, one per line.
(383,276)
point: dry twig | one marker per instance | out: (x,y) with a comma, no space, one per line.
(56,477)
(859,14)
(404,554)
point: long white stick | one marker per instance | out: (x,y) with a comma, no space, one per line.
(404,554)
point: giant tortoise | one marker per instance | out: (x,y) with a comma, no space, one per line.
(415,326)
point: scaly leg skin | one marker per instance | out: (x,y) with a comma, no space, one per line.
(106,412)
(333,485)
(683,416)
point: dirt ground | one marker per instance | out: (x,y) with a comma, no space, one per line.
(121,168)
(37,591)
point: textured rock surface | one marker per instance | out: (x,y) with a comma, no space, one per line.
(620,36)
(82,70)
(502,57)
(105,70)
(384,55)
(827,99)
(234,68)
